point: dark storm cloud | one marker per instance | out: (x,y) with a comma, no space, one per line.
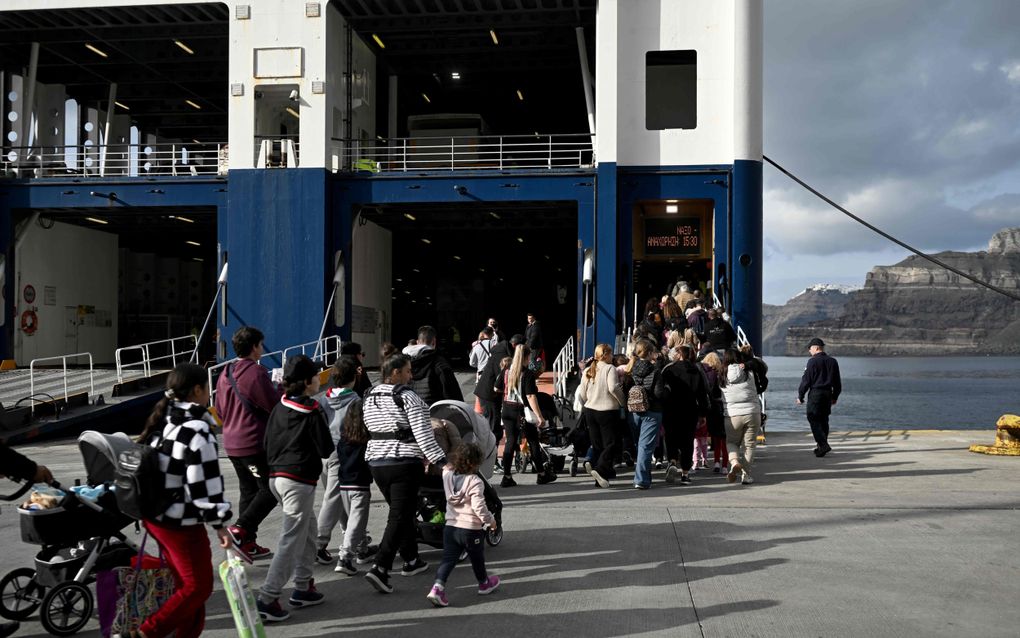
(906,112)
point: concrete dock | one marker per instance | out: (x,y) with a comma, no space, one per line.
(893,533)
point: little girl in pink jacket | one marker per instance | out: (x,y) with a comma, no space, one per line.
(467,519)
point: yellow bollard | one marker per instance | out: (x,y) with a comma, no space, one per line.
(1007,438)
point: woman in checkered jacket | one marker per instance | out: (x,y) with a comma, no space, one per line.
(179,427)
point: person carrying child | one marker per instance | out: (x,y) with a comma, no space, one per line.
(297,439)
(179,427)
(467,519)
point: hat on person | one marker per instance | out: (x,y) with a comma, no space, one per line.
(816,342)
(300,368)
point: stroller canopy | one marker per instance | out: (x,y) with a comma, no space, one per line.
(99,453)
(472,426)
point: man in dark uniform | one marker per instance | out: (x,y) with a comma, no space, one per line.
(822,385)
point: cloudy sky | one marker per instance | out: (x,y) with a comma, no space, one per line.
(907,112)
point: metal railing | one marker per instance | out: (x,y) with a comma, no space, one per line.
(63,360)
(563,364)
(742,339)
(477,152)
(326,350)
(275,357)
(165,348)
(276,152)
(133,160)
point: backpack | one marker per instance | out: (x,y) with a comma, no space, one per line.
(140,484)
(637,399)
(761,380)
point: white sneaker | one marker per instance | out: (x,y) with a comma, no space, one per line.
(746,479)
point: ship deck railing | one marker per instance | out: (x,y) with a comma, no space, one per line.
(115,160)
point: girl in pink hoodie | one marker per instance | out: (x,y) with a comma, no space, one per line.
(467,519)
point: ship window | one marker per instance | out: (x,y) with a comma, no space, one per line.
(671,90)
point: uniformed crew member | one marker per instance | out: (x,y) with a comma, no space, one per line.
(822,385)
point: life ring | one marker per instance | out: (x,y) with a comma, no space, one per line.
(29,322)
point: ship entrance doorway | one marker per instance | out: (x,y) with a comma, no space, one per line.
(453,266)
(673,241)
(97,279)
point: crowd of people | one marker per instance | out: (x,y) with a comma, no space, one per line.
(682,390)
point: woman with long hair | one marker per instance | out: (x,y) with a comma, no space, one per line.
(685,404)
(742,416)
(716,375)
(602,396)
(673,319)
(645,424)
(179,427)
(518,386)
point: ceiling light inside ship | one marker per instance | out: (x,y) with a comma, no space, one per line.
(121,105)
(520,96)
(410,216)
(455,76)
(378,41)
(96,220)
(184,47)
(192,104)
(426,98)
(672,208)
(492,34)
(96,50)
(293,112)
(425,241)
(192,243)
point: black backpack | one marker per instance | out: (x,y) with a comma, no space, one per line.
(761,379)
(140,484)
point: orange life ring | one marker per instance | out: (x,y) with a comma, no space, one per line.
(29,322)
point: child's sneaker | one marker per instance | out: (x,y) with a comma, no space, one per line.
(671,473)
(306,598)
(438,597)
(323,557)
(717,468)
(272,612)
(367,553)
(380,580)
(346,566)
(416,566)
(490,585)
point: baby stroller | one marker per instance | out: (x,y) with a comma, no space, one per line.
(473,428)
(79,537)
(553,438)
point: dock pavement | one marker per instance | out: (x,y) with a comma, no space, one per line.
(893,533)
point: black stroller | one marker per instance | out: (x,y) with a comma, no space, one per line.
(554,438)
(473,428)
(78,537)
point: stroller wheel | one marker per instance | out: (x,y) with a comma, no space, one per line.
(66,608)
(494,536)
(20,595)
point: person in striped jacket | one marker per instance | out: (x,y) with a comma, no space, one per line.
(400,444)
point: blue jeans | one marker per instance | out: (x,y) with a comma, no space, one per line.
(456,540)
(645,428)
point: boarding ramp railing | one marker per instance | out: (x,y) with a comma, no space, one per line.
(270,360)
(742,339)
(133,160)
(63,359)
(474,152)
(326,350)
(562,366)
(276,152)
(167,351)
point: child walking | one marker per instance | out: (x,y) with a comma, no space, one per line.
(467,518)
(297,439)
(355,480)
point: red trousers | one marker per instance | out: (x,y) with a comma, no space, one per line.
(189,555)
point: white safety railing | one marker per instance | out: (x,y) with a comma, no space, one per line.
(276,152)
(132,160)
(563,364)
(165,349)
(325,350)
(275,360)
(742,339)
(477,152)
(63,360)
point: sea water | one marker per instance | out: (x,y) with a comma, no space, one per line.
(880,393)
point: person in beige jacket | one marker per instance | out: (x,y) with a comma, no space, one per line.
(602,396)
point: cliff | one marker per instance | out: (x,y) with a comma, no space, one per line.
(917,308)
(817,303)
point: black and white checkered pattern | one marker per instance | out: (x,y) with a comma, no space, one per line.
(192,464)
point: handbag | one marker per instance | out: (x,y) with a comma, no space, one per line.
(141,591)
